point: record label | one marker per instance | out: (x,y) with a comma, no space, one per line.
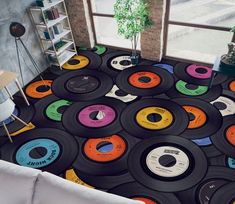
(197,117)
(199,72)
(105,149)
(145,200)
(154,118)
(225,105)
(77,62)
(190,89)
(121,62)
(39,89)
(203,141)
(232,86)
(55,110)
(167,161)
(230,135)
(26,157)
(231,163)
(144,80)
(167,67)
(97,116)
(82,84)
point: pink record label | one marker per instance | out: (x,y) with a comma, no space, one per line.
(96,116)
(200,72)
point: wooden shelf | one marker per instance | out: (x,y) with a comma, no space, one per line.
(51,23)
(64,57)
(58,36)
(37,8)
(63,48)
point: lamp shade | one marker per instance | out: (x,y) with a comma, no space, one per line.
(16,29)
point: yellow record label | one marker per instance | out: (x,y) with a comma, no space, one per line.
(77,62)
(161,118)
(24,129)
(71,176)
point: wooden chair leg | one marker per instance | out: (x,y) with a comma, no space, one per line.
(15,117)
(22,92)
(8,134)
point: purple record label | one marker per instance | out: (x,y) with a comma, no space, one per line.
(198,71)
(96,116)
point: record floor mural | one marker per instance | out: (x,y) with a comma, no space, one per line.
(152,132)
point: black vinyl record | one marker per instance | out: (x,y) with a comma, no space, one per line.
(144,80)
(197,74)
(185,90)
(134,190)
(225,194)
(104,156)
(204,118)
(167,163)
(82,85)
(104,182)
(224,139)
(83,60)
(215,177)
(46,149)
(223,160)
(92,119)
(115,62)
(229,84)
(152,117)
(49,111)
(23,111)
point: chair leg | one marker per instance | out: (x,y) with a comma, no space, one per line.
(15,117)
(8,134)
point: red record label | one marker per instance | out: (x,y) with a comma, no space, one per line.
(230,135)
(232,86)
(145,200)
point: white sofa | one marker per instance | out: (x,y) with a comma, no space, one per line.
(22,185)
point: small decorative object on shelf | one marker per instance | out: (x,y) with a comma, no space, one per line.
(54,31)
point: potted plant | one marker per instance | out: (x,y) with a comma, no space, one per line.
(132,17)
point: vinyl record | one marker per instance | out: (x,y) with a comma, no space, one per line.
(167,163)
(39,89)
(204,118)
(152,117)
(117,93)
(225,194)
(225,105)
(104,156)
(136,191)
(103,182)
(49,111)
(167,67)
(215,178)
(115,62)
(197,74)
(185,90)
(46,149)
(207,146)
(229,84)
(23,111)
(93,119)
(224,139)
(98,49)
(82,85)
(223,160)
(144,80)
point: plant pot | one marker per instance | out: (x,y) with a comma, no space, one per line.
(134,59)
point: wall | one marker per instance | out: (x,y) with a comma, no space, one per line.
(15,10)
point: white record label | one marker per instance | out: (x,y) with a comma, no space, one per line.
(230,105)
(181,165)
(116,62)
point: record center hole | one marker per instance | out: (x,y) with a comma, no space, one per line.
(220,105)
(125,62)
(154,117)
(191,86)
(97,115)
(201,70)
(62,109)
(191,116)
(38,152)
(74,61)
(167,160)
(144,79)
(43,88)
(104,147)
(120,93)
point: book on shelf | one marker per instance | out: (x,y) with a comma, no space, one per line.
(52,14)
(58,28)
(49,34)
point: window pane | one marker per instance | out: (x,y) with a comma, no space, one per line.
(106,33)
(196,44)
(103,6)
(210,12)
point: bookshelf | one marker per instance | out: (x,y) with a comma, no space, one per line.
(53,28)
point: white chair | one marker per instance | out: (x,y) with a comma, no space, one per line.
(6,111)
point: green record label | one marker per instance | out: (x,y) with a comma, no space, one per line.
(100,49)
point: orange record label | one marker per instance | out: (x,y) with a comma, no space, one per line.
(145,200)
(144,80)
(199,117)
(92,148)
(230,134)
(232,86)
(32,89)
